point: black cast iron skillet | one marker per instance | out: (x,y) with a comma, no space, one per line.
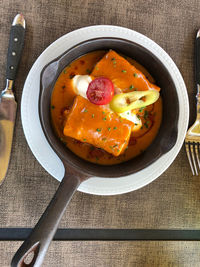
(78,170)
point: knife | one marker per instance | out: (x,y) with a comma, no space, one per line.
(8,105)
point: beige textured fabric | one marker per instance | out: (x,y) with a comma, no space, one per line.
(113,254)
(172,201)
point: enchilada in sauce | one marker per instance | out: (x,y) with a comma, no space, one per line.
(100,135)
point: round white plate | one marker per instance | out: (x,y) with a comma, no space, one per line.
(37,141)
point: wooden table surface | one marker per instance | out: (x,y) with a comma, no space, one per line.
(170,202)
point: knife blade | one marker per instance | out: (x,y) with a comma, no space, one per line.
(8,105)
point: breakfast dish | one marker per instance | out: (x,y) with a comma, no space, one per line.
(106,107)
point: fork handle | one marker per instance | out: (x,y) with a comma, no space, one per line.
(197,71)
(197,61)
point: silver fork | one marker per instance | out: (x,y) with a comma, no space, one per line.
(192,139)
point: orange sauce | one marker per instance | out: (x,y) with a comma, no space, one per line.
(63,97)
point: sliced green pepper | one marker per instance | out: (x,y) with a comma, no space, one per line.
(133,100)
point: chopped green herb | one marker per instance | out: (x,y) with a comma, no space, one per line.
(136,124)
(98,129)
(97,68)
(146,125)
(88,71)
(104,139)
(135,89)
(85,110)
(131,87)
(118,150)
(92,115)
(110,147)
(109,129)
(115,128)
(135,75)
(105,119)
(124,71)
(115,145)
(103,112)
(52,107)
(113,58)
(138,116)
(64,71)
(146,114)
(141,109)
(114,62)
(84,139)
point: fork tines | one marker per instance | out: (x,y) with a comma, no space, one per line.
(192,150)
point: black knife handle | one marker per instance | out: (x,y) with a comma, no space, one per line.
(14,50)
(197,58)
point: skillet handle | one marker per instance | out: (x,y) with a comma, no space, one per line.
(33,250)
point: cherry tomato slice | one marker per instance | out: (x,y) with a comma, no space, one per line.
(100,91)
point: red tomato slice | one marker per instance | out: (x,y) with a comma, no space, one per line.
(100,91)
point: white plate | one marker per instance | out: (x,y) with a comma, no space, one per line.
(38,143)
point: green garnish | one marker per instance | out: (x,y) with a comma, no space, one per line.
(98,129)
(52,107)
(135,75)
(133,100)
(146,114)
(118,150)
(141,109)
(110,147)
(104,139)
(109,129)
(115,145)
(64,71)
(97,68)
(115,128)
(113,58)
(124,71)
(92,115)
(85,110)
(131,87)
(88,71)
(103,112)
(146,125)
(84,139)
(104,119)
